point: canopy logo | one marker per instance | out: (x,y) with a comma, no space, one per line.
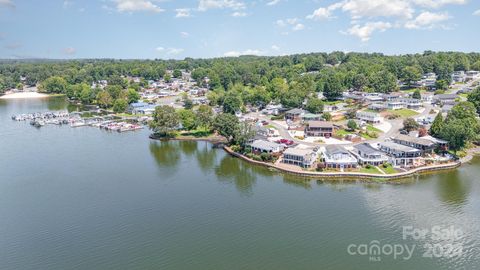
(437,242)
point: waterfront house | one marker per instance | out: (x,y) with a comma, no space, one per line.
(319,129)
(411,103)
(263,146)
(368,155)
(379,106)
(133,107)
(459,76)
(337,157)
(304,158)
(311,117)
(369,117)
(400,155)
(294,114)
(444,99)
(472,75)
(147,110)
(395,105)
(426,146)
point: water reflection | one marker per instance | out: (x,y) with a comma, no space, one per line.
(206,156)
(165,153)
(451,189)
(297,181)
(237,172)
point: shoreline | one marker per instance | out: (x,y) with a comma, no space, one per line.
(354,176)
(359,176)
(24,95)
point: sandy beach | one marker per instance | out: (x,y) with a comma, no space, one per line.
(23,95)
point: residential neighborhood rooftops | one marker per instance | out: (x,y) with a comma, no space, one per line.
(367,149)
(262,144)
(295,111)
(416,140)
(398,147)
(298,151)
(320,124)
(334,149)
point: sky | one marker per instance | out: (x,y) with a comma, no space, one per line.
(175,29)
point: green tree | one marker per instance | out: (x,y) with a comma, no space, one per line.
(243,133)
(114,90)
(461,125)
(441,84)
(226,125)
(410,124)
(132,96)
(437,126)
(187,118)
(177,73)
(87,96)
(167,77)
(54,84)
(327,116)
(120,105)
(410,75)
(165,120)
(314,105)
(104,99)
(204,117)
(474,98)
(232,102)
(332,88)
(416,94)
(352,125)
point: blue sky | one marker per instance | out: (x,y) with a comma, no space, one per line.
(214,28)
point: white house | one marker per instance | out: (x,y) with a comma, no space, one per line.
(369,117)
(368,155)
(336,156)
(301,157)
(263,146)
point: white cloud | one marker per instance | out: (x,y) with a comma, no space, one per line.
(273,2)
(7,3)
(205,5)
(378,8)
(294,23)
(184,34)
(477,13)
(136,5)
(324,13)
(275,48)
(298,27)
(172,51)
(69,51)
(246,52)
(182,13)
(364,32)
(239,14)
(438,3)
(427,20)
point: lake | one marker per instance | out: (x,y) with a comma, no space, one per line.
(84,198)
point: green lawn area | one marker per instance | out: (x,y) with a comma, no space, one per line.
(372,170)
(270,126)
(413,90)
(372,128)
(388,170)
(404,112)
(342,132)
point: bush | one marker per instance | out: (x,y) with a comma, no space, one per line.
(368,166)
(266,157)
(278,117)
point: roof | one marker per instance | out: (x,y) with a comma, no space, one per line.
(138,104)
(334,149)
(415,140)
(445,96)
(364,113)
(262,144)
(297,151)
(295,111)
(398,147)
(320,124)
(367,148)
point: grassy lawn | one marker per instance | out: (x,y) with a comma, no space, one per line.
(372,128)
(413,90)
(270,126)
(404,112)
(388,170)
(342,132)
(372,170)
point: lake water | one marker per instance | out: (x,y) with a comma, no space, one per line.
(84,198)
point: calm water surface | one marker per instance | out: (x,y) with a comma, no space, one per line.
(89,199)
